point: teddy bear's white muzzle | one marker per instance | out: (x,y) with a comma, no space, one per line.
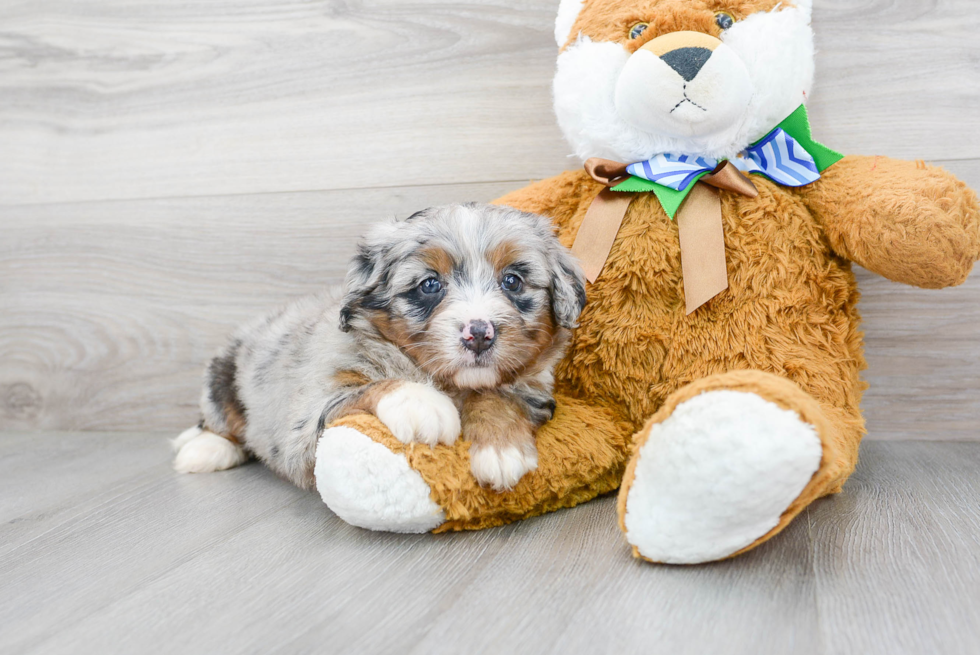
(690,98)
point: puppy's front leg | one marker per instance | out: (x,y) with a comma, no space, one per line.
(414,412)
(503,447)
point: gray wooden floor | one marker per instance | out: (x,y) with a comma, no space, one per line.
(168,170)
(104,550)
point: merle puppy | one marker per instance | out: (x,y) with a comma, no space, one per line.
(457,311)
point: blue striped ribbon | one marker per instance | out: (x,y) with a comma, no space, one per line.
(779,157)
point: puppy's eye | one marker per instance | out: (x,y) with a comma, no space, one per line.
(638,29)
(724,20)
(430,285)
(512,283)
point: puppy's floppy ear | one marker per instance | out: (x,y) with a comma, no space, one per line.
(367,276)
(567,286)
(362,279)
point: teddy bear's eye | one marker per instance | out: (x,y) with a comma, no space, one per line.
(724,20)
(638,29)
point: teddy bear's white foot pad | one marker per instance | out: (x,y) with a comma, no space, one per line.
(716,475)
(371,487)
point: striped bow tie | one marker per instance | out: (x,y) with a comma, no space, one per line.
(788,155)
(779,157)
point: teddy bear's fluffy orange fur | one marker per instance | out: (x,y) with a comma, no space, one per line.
(787,329)
(790,314)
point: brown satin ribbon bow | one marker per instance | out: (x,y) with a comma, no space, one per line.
(699,226)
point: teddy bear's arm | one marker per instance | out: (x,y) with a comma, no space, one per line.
(906,221)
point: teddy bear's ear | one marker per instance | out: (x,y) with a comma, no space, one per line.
(568,12)
(805,5)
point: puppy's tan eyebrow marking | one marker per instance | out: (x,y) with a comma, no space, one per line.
(438,260)
(503,255)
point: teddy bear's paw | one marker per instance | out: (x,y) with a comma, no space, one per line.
(418,413)
(717,475)
(371,487)
(502,468)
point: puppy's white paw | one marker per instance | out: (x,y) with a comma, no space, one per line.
(502,468)
(206,452)
(418,413)
(178,442)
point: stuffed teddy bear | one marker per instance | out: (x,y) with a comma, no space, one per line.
(714,375)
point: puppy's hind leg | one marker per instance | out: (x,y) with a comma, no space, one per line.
(202,451)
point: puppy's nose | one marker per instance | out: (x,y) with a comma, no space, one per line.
(688,62)
(478,336)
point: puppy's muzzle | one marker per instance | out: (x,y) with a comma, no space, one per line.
(478,336)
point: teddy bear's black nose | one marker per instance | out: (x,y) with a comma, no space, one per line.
(688,62)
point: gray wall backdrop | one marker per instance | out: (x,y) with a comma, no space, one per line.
(168,170)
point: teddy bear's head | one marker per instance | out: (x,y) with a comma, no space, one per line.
(638,78)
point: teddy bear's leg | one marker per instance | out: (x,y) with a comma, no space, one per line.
(372,480)
(726,463)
